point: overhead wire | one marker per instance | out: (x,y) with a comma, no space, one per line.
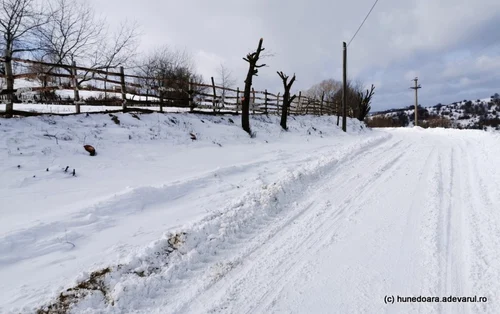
(362,23)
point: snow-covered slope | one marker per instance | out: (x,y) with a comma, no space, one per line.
(483,114)
(149,178)
(307,221)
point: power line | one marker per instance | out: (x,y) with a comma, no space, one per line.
(376,1)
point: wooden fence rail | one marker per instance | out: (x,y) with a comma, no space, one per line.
(135,90)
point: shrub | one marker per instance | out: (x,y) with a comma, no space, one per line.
(383,122)
(438,122)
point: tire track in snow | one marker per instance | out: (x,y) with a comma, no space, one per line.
(455,230)
(321,222)
(485,240)
(264,232)
(446,188)
(323,235)
(413,252)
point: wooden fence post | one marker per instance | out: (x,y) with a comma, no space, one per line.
(299,99)
(160,94)
(237,99)
(123,88)
(76,98)
(214,101)
(253,100)
(321,104)
(265,101)
(278,103)
(190,94)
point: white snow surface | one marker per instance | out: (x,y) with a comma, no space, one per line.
(312,220)
(69,109)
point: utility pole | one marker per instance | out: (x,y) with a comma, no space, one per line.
(344,91)
(416,88)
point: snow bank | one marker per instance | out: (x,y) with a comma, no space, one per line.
(138,282)
(149,177)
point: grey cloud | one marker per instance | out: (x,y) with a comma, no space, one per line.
(401,38)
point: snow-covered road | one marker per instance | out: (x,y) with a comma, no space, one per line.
(417,215)
(332,225)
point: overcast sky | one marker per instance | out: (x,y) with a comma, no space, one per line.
(453,46)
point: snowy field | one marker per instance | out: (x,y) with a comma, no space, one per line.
(307,221)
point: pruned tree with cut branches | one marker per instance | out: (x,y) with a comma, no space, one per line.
(252,59)
(287,99)
(364,104)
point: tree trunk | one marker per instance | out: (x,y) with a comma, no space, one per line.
(287,100)
(245,105)
(284,112)
(252,60)
(9,78)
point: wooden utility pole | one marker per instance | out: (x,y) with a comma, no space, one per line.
(344,91)
(416,88)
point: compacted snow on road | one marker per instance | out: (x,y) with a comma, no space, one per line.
(306,221)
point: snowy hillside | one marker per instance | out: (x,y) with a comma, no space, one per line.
(149,177)
(482,114)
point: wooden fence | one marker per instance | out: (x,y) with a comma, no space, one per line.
(131,90)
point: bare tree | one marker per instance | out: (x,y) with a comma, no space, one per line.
(329,88)
(119,49)
(73,34)
(353,99)
(168,75)
(226,80)
(326,87)
(18,21)
(287,100)
(253,69)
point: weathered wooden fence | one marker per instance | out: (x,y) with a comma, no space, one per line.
(114,87)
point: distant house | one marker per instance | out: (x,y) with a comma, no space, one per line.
(3,96)
(30,97)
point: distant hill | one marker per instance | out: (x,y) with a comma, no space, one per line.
(482,114)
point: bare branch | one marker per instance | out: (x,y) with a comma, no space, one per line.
(73,34)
